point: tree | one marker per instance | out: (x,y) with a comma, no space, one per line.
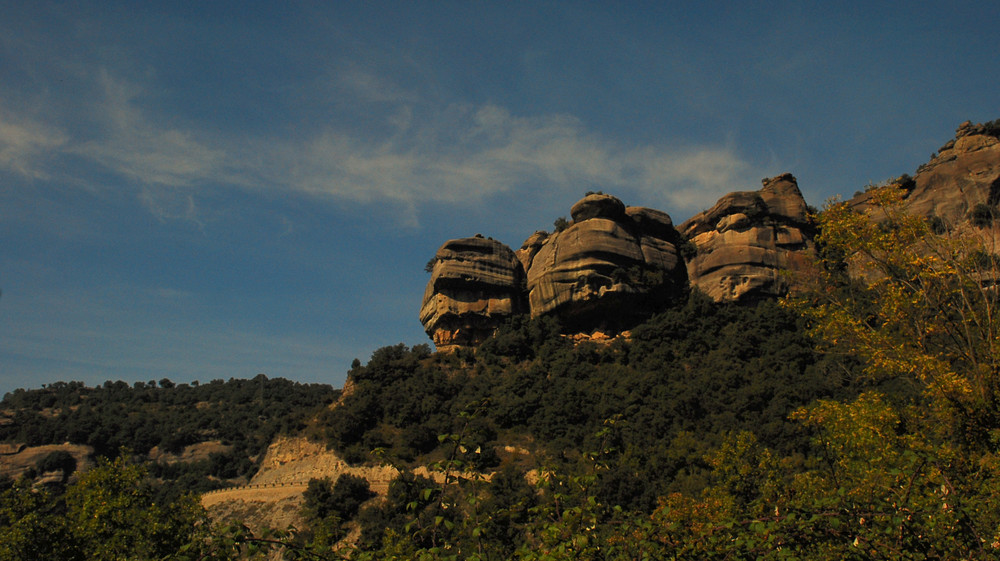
(920,307)
(111,515)
(31,525)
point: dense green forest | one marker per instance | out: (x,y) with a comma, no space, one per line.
(856,419)
(243,415)
(684,380)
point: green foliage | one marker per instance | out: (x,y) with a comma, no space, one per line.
(31,525)
(560,224)
(342,499)
(245,414)
(937,225)
(701,368)
(992,128)
(905,182)
(108,514)
(410,509)
(112,516)
(59,460)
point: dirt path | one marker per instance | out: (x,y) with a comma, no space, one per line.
(255,493)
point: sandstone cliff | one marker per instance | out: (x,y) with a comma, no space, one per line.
(610,265)
(615,264)
(748,242)
(476,283)
(964,173)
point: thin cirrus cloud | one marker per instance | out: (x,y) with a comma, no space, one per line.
(458,154)
(485,151)
(24,142)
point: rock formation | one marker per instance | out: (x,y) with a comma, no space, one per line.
(964,173)
(749,240)
(614,264)
(476,283)
(606,268)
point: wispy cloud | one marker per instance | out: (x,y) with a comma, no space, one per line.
(26,143)
(456,154)
(136,147)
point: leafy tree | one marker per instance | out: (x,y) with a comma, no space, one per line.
(111,515)
(31,525)
(341,499)
(924,311)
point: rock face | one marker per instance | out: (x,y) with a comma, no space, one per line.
(606,267)
(964,173)
(615,264)
(476,283)
(15,460)
(748,240)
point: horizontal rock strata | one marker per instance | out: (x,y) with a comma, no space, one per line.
(749,241)
(476,284)
(608,265)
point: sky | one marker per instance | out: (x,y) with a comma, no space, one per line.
(212,190)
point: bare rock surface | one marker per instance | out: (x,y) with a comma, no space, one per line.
(614,264)
(476,284)
(598,205)
(16,459)
(964,173)
(749,241)
(193,453)
(610,263)
(530,248)
(273,497)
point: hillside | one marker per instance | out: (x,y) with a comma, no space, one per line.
(195,436)
(854,417)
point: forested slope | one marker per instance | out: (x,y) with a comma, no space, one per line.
(243,416)
(857,419)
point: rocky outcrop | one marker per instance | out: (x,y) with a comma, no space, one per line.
(614,264)
(198,452)
(476,284)
(273,498)
(16,459)
(611,265)
(606,268)
(964,173)
(749,240)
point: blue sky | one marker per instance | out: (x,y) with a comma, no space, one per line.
(203,190)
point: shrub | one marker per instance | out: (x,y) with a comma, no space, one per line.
(60,460)
(982,215)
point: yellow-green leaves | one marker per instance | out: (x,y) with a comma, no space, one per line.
(915,304)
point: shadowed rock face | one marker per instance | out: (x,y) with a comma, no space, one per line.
(608,267)
(965,172)
(749,240)
(476,284)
